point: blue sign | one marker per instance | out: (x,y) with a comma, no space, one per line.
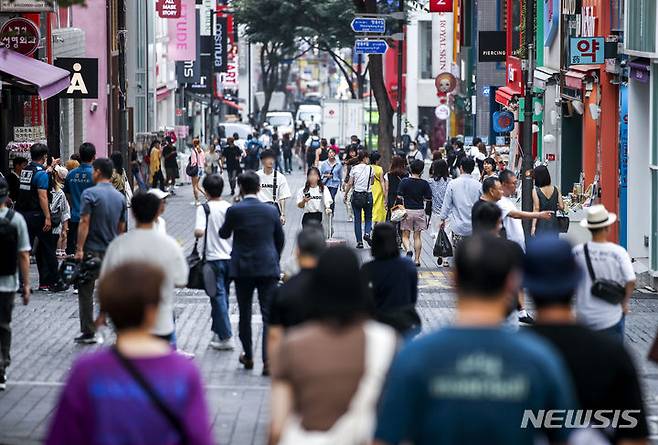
(370,46)
(486,91)
(623,165)
(551,20)
(587,51)
(367,24)
(500,140)
(468,141)
(503,121)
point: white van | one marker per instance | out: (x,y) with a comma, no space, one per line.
(311,115)
(282,120)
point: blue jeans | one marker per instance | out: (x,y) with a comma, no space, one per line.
(617,330)
(367,210)
(221,325)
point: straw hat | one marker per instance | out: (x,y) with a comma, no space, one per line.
(598,217)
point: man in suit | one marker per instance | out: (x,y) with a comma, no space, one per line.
(257,245)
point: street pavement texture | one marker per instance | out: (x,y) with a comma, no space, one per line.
(43,348)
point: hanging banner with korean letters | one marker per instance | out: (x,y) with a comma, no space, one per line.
(587,51)
(182,33)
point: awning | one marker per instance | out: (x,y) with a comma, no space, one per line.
(574,79)
(640,69)
(162,93)
(505,95)
(32,74)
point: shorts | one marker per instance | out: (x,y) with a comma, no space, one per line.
(416,221)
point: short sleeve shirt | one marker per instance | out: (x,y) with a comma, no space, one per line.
(361,175)
(414,192)
(267,187)
(513,226)
(77,181)
(216,248)
(10,283)
(107,208)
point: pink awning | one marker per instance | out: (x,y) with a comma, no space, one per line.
(30,73)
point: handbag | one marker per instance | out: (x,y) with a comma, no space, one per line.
(442,246)
(360,199)
(607,290)
(166,412)
(398,213)
(563,223)
(196,278)
(192,170)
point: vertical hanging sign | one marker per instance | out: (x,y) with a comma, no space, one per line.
(168,9)
(182,33)
(440,5)
(445,42)
(220,47)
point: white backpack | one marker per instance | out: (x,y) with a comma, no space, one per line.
(357,425)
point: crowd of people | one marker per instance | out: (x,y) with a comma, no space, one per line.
(340,337)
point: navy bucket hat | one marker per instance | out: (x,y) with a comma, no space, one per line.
(550,268)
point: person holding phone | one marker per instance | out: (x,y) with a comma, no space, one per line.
(314,198)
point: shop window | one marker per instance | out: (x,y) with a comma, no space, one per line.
(425,50)
(641,25)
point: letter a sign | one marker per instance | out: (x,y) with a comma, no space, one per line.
(441,5)
(84,77)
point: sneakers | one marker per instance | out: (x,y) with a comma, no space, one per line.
(366,238)
(3,381)
(359,245)
(525,318)
(86,339)
(222,345)
(189,355)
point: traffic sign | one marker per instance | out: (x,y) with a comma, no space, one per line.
(370,46)
(369,24)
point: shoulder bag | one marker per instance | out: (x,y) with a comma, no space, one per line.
(166,412)
(192,170)
(360,199)
(607,290)
(195,261)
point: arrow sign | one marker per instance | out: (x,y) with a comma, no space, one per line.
(369,24)
(370,46)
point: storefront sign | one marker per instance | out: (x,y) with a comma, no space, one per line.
(29,134)
(182,33)
(220,48)
(230,79)
(442,112)
(551,20)
(440,5)
(84,77)
(587,51)
(187,72)
(503,121)
(26,6)
(182,131)
(20,35)
(168,9)
(492,46)
(445,83)
(205,82)
(588,22)
(446,24)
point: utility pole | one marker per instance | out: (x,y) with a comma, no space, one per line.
(123,85)
(400,89)
(527,161)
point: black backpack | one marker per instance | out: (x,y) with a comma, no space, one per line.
(8,245)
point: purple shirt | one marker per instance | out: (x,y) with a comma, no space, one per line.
(102,404)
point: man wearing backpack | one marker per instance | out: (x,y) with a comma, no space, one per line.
(15,248)
(312,147)
(253,151)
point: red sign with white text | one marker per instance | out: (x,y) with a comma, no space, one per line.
(168,9)
(20,35)
(440,5)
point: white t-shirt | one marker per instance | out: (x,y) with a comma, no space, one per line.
(363,177)
(160,250)
(216,248)
(513,226)
(320,201)
(267,186)
(609,261)
(160,225)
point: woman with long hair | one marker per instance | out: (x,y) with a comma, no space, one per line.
(439,185)
(360,181)
(196,162)
(59,206)
(395,175)
(379,190)
(314,198)
(545,196)
(350,160)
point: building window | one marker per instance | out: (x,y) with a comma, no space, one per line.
(425,53)
(641,20)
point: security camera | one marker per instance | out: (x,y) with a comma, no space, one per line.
(578,106)
(93,107)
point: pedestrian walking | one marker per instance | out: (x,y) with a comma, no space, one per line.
(160,223)
(34,204)
(291,301)
(257,245)
(423,141)
(274,188)
(438,184)
(212,159)
(394,177)
(329,372)
(135,168)
(59,207)
(492,192)
(393,280)
(314,199)
(194,167)
(102,218)
(379,190)
(14,273)
(218,255)
(602,370)
(77,181)
(415,194)
(253,152)
(545,196)
(413,154)
(231,156)
(14,177)
(156,177)
(170,156)
(138,391)
(276,148)
(145,244)
(286,150)
(429,395)
(332,175)
(489,169)
(360,181)
(313,149)
(350,160)
(609,265)
(487,218)
(461,194)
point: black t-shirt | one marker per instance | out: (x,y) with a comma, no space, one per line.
(289,305)
(14,185)
(603,373)
(415,192)
(169,155)
(232,154)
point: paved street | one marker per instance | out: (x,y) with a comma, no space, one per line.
(43,347)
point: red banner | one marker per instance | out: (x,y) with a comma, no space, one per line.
(440,5)
(168,9)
